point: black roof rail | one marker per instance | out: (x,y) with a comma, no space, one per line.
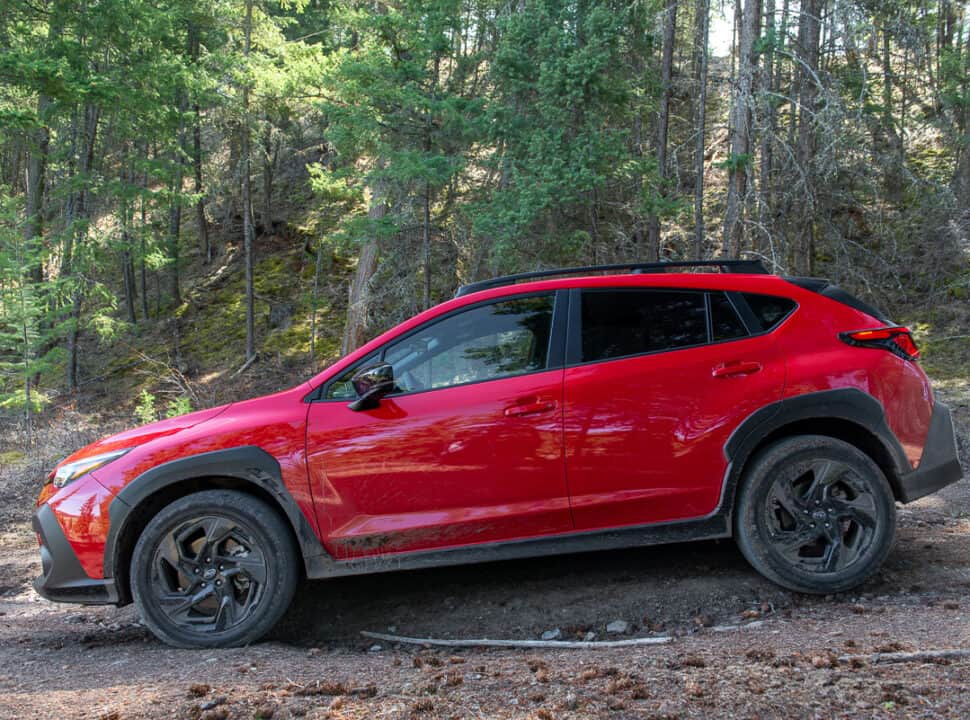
(752,267)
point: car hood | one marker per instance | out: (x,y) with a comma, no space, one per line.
(145,433)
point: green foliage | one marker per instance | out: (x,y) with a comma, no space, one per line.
(464,138)
(145,409)
(179,406)
(564,100)
(22,313)
(396,103)
(770,41)
(736,161)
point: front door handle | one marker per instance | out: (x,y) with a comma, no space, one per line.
(533,407)
(736,369)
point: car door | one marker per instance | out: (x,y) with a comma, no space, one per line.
(467,450)
(656,381)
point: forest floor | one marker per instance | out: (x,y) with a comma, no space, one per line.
(741,648)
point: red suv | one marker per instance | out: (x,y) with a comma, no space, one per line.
(527,416)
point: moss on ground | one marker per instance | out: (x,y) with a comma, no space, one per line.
(10,457)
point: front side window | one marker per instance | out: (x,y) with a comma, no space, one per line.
(620,323)
(485,342)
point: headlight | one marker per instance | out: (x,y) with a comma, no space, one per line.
(74,470)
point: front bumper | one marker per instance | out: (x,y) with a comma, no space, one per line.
(940,464)
(63,578)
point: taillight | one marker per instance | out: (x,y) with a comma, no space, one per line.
(896,340)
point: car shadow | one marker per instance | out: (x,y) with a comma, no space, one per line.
(656,587)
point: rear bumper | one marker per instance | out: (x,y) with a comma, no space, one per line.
(63,578)
(940,464)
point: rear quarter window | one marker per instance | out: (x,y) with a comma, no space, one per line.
(769,310)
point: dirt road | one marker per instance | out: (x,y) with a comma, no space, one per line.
(794,656)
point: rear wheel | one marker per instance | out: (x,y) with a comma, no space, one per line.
(815,514)
(214,569)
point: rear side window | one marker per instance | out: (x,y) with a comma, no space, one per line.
(769,310)
(618,323)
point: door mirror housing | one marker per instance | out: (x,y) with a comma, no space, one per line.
(371,384)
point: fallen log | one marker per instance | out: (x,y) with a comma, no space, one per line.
(903,657)
(532,644)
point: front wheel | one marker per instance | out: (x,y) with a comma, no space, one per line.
(815,515)
(214,569)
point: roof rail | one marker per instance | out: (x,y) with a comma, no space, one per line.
(753,267)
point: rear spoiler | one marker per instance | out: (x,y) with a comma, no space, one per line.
(834,292)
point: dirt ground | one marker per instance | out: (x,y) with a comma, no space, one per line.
(741,648)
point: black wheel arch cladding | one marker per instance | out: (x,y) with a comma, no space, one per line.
(249,466)
(849,407)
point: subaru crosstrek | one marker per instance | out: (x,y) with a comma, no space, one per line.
(551,412)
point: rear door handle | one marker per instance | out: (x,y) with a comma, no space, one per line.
(736,369)
(532,407)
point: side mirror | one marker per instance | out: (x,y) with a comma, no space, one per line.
(372,383)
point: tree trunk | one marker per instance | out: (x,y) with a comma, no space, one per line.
(270,153)
(426,220)
(203,224)
(142,229)
(767,136)
(892,158)
(127,271)
(961,173)
(313,305)
(36,180)
(795,79)
(247,198)
(39,150)
(128,278)
(28,424)
(426,246)
(175,209)
(205,244)
(739,162)
(78,215)
(174,230)
(663,122)
(700,122)
(808,41)
(358,302)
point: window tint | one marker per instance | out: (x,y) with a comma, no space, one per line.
(768,309)
(486,342)
(725,323)
(617,323)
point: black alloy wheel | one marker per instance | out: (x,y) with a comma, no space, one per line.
(821,515)
(815,514)
(214,569)
(208,573)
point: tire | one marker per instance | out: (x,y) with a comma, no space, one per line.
(214,569)
(815,515)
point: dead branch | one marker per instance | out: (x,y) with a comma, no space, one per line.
(246,365)
(534,644)
(927,656)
